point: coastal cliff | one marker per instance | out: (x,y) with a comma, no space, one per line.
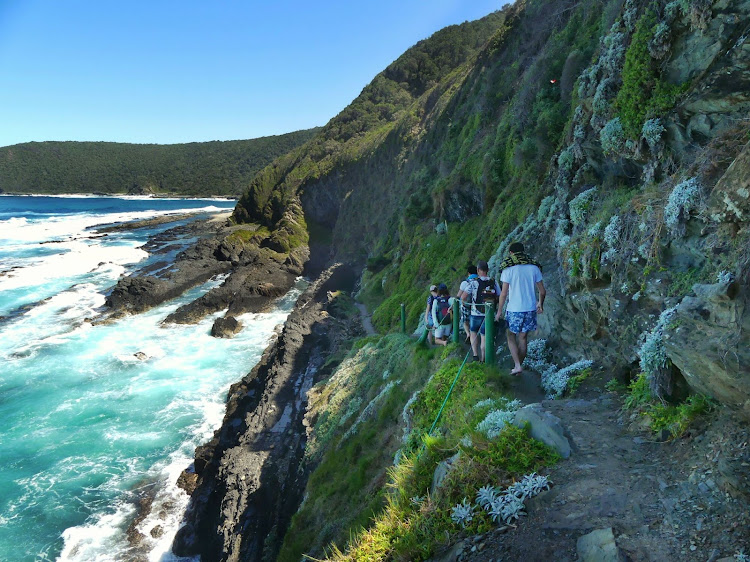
(611,138)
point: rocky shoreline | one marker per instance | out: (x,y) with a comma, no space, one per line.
(254,276)
(248,481)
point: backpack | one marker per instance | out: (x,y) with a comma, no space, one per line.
(443,311)
(485,292)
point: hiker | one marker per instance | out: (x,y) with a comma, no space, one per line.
(520,276)
(428,313)
(442,315)
(481,291)
(463,294)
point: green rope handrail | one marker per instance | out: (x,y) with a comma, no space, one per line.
(455,380)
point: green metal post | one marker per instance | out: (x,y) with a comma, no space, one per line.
(403,318)
(456,319)
(489,334)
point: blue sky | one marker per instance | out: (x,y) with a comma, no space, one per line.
(167,72)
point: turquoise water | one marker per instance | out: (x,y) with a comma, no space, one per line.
(86,428)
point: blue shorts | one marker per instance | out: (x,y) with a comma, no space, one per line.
(521,321)
(476,324)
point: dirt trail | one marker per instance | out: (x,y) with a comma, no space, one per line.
(663,501)
(366,319)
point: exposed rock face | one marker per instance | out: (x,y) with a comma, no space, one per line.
(730,199)
(195,265)
(709,341)
(250,480)
(718,57)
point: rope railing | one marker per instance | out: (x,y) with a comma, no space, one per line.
(489,313)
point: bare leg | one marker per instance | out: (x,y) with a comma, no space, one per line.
(481,357)
(474,343)
(522,341)
(514,352)
(466,329)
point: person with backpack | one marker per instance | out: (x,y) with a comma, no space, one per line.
(442,315)
(521,277)
(463,294)
(428,322)
(481,292)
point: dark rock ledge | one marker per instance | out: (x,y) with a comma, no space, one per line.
(248,481)
(255,276)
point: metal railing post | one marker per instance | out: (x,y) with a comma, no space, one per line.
(456,319)
(489,334)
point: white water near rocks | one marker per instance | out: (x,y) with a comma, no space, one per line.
(87,428)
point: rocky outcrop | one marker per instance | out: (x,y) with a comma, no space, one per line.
(250,476)
(250,287)
(255,277)
(193,266)
(226,327)
(708,340)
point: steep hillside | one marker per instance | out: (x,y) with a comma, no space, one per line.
(613,139)
(201,168)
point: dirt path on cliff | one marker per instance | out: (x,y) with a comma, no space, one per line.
(366,320)
(663,501)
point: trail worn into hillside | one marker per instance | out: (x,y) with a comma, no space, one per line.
(681,500)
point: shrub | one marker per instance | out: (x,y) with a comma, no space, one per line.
(612,231)
(579,206)
(660,43)
(612,137)
(684,198)
(630,15)
(652,132)
(643,92)
(654,361)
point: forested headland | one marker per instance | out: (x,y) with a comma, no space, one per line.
(216,168)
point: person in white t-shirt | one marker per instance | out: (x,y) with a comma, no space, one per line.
(521,278)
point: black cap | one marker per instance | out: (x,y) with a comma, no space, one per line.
(442,286)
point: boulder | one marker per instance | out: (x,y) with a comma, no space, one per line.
(226,327)
(598,546)
(441,471)
(544,427)
(708,340)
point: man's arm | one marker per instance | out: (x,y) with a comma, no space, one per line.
(542,294)
(501,301)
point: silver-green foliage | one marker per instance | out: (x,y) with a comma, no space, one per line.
(612,137)
(579,206)
(652,132)
(684,198)
(654,360)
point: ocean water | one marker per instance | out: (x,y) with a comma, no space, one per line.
(87,429)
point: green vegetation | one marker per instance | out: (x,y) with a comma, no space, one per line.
(644,93)
(387,111)
(577,380)
(197,169)
(379,403)
(674,418)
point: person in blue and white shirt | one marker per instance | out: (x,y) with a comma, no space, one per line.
(521,278)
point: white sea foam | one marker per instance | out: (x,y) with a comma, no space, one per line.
(80,258)
(101,540)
